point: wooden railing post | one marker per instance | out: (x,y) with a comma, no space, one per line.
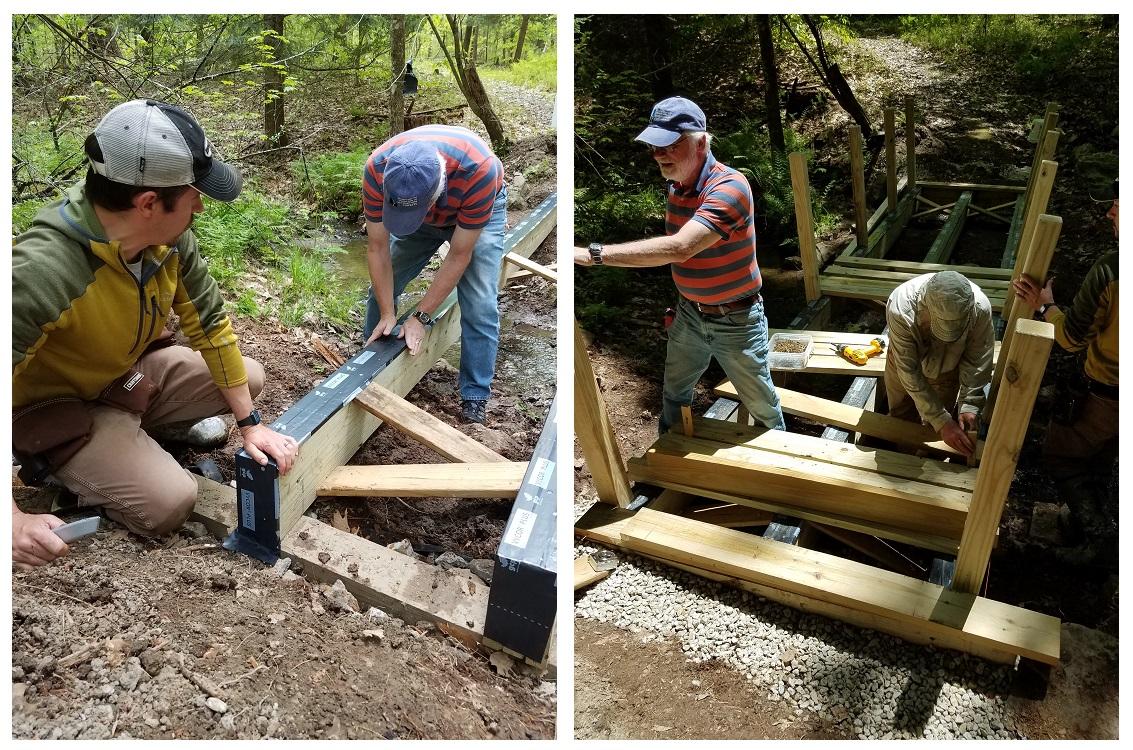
(594,432)
(910,144)
(890,160)
(1023,373)
(1036,206)
(808,251)
(857,177)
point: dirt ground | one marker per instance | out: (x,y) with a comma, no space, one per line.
(178,638)
(628,358)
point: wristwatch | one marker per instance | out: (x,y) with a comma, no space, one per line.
(425,318)
(595,253)
(1043,308)
(252,419)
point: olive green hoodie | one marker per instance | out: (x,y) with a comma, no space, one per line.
(80,318)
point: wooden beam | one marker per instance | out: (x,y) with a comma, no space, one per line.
(804,220)
(585,574)
(494,479)
(946,192)
(1036,264)
(1026,363)
(962,619)
(910,141)
(938,208)
(423,426)
(949,235)
(890,159)
(531,266)
(1013,233)
(730,515)
(857,179)
(594,432)
(521,274)
(337,440)
(1036,206)
(917,267)
(535,227)
(879,291)
(870,274)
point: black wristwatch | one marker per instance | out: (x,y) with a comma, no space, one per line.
(595,253)
(252,419)
(1043,308)
(425,318)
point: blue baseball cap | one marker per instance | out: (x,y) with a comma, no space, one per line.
(669,119)
(411,177)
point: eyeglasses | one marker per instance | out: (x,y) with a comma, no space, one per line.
(660,150)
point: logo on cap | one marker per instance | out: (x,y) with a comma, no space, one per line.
(405,202)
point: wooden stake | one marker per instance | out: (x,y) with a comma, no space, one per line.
(857,175)
(910,143)
(1026,362)
(1035,206)
(1036,264)
(594,432)
(800,185)
(891,159)
(686,419)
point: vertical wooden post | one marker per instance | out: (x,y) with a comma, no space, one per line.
(910,145)
(1050,122)
(594,432)
(1022,376)
(800,184)
(1036,263)
(890,160)
(857,178)
(1035,207)
(686,419)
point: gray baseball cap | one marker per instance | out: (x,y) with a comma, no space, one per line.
(949,298)
(144,142)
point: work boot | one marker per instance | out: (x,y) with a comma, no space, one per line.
(474,410)
(204,433)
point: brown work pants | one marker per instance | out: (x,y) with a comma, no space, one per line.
(123,471)
(901,404)
(1088,446)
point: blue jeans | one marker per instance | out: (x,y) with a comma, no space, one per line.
(475,292)
(738,341)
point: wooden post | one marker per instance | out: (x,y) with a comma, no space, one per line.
(890,159)
(686,419)
(1036,264)
(1026,363)
(800,184)
(1050,122)
(910,144)
(1037,205)
(594,432)
(857,177)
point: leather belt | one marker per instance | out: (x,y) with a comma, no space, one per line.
(743,303)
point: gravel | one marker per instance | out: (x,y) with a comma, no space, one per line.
(873,685)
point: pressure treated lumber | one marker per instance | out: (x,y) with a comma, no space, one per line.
(854,419)
(604,524)
(857,180)
(889,117)
(422,426)
(1036,206)
(801,482)
(1025,363)
(804,220)
(880,290)
(585,574)
(1036,264)
(522,274)
(853,273)
(916,267)
(730,515)
(949,235)
(962,620)
(493,479)
(594,432)
(910,141)
(533,228)
(531,266)
(885,232)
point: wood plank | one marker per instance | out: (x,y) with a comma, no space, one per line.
(585,574)
(889,118)
(925,607)
(215,507)
(534,227)
(423,426)
(531,267)
(521,274)
(800,482)
(873,547)
(880,290)
(1036,206)
(494,479)
(804,222)
(916,267)
(947,192)
(337,440)
(1013,233)
(872,274)
(877,460)
(854,419)
(1026,363)
(455,599)
(949,235)
(730,515)
(594,433)
(857,181)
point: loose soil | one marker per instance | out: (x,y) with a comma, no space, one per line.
(960,106)
(288,658)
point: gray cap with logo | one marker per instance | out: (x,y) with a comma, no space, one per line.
(949,299)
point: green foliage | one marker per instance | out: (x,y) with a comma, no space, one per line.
(251,226)
(23,213)
(312,291)
(618,215)
(42,156)
(536,72)
(334,181)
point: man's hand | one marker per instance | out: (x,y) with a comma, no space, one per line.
(1031,293)
(582,257)
(413,331)
(969,421)
(261,441)
(953,434)
(384,327)
(33,541)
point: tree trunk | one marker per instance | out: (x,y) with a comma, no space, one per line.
(658,32)
(273,82)
(522,37)
(397,65)
(464,71)
(770,85)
